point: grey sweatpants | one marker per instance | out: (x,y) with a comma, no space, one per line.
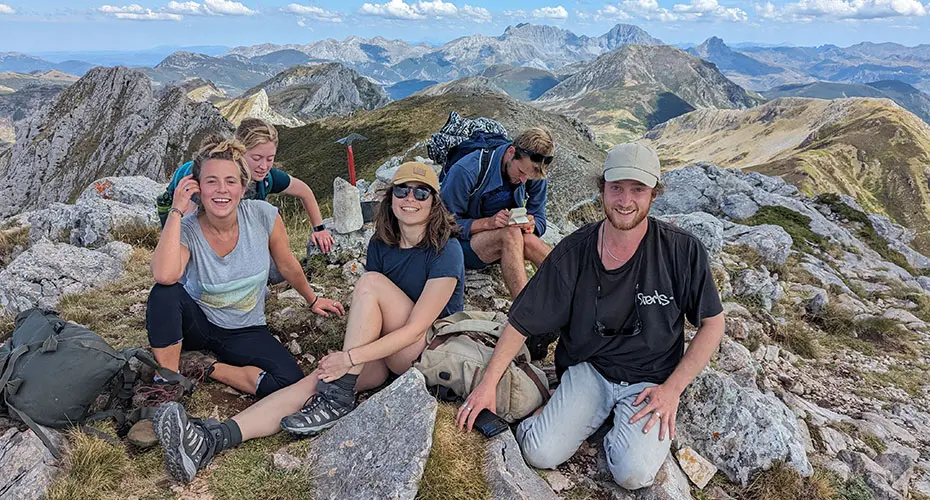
(579,406)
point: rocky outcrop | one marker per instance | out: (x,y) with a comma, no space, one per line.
(380,449)
(255,106)
(507,474)
(41,275)
(108,123)
(27,467)
(311,92)
(740,430)
(21,105)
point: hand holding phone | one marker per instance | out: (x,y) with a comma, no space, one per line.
(490,424)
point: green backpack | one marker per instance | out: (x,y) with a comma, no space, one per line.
(458,349)
(52,371)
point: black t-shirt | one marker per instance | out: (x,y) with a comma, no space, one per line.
(667,280)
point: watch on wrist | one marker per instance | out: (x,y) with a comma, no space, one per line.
(321,227)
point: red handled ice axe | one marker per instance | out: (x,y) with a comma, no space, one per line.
(348,140)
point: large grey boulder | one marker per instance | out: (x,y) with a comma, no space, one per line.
(738,206)
(771,242)
(131,190)
(739,429)
(876,477)
(347,207)
(703,226)
(89,223)
(899,462)
(507,474)
(27,468)
(684,192)
(41,275)
(380,449)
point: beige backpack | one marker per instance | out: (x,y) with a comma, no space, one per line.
(458,349)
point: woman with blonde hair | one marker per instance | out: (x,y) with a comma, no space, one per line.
(415,275)
(209,294)
(260,139)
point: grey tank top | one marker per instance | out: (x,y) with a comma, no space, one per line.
(231,290)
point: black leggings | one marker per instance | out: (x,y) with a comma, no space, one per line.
(172,316)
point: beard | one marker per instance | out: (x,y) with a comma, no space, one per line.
(626,223)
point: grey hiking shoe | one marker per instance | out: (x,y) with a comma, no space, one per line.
(189,444)
(320,412)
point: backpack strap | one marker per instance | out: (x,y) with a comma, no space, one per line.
(37,429)
(485,161)
(171,376)
(525,366)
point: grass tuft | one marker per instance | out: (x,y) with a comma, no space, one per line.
(782,482)
(454,469)
(95,469)
(249,472)
(11,241)
(137,235)
(795,224)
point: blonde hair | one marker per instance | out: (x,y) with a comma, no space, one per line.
(255,131)
(537,140)
(219,147)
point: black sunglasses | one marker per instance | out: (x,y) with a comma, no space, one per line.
(633,331)
(419,193)
(535,157)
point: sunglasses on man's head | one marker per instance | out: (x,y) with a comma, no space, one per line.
(420,193)
(536,157)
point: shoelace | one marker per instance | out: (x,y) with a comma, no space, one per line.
(157,394)
(315,400)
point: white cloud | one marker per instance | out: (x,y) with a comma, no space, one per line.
(210,8)
(6,9)
(557,12)
(315,13)
(696,10)
(515,13)
(809,10)
(710,10)
(476,14)
(135,12)
(428,9)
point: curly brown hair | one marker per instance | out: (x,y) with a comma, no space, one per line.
(440,225)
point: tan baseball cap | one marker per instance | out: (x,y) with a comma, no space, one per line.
(632,161)
(417,172)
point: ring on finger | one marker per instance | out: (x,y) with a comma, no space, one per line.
(659,414)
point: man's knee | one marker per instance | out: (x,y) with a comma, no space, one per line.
(541,450)
(635,467)
(512,236)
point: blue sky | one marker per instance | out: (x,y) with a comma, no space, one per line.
(49,25)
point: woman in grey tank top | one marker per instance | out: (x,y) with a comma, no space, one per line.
(211,273)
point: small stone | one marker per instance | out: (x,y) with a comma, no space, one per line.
(294,347)
(698,468)
(501,304)
(291,295)
(284,313)
(557,481)
(347,207)
(310,358)
(294,335)
(285,461)
(352,270)
(838,467)
(771,353)
(142,434)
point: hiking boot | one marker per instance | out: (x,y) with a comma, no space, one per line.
(196,366)
(320,412)
(189,443)
(156,393)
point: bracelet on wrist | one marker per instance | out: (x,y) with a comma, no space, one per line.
(349,354)
(314,301)
(321,227)
(180,213)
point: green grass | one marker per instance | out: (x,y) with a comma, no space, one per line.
(864,335)
(795,224)
(248,472)
(455,467)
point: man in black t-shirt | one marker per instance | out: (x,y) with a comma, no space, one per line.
(619,291)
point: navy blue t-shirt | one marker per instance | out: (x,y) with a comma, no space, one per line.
(410,268)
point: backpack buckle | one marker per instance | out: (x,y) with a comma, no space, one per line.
(50,344)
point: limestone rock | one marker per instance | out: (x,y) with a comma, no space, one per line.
(696,467)
(740,430)
(90,223)
(735,359)
(874,475)
(738,206)
(352,271)
(27,468)
(883,428)
(771,242)
(758,286)
(108,123)
(833,440)
(347,207)
(45,272)
(899,462)
(507,474)
(131,190)
(704,226)
(346,247)
(380,449)
(670,484)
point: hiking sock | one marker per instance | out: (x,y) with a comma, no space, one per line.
(341,391)
(227,434)
(346,382)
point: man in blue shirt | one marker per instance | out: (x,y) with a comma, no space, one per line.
(515,178)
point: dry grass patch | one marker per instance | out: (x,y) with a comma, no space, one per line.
(782,482)
(137,235)
(864,335)
(11,241)
(452,470)
(95,469)
(109,310)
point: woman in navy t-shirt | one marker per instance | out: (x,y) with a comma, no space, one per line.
(416,274)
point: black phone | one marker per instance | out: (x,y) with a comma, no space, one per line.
(490,424)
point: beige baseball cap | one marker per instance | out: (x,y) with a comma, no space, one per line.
(632,161)
(418,172)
